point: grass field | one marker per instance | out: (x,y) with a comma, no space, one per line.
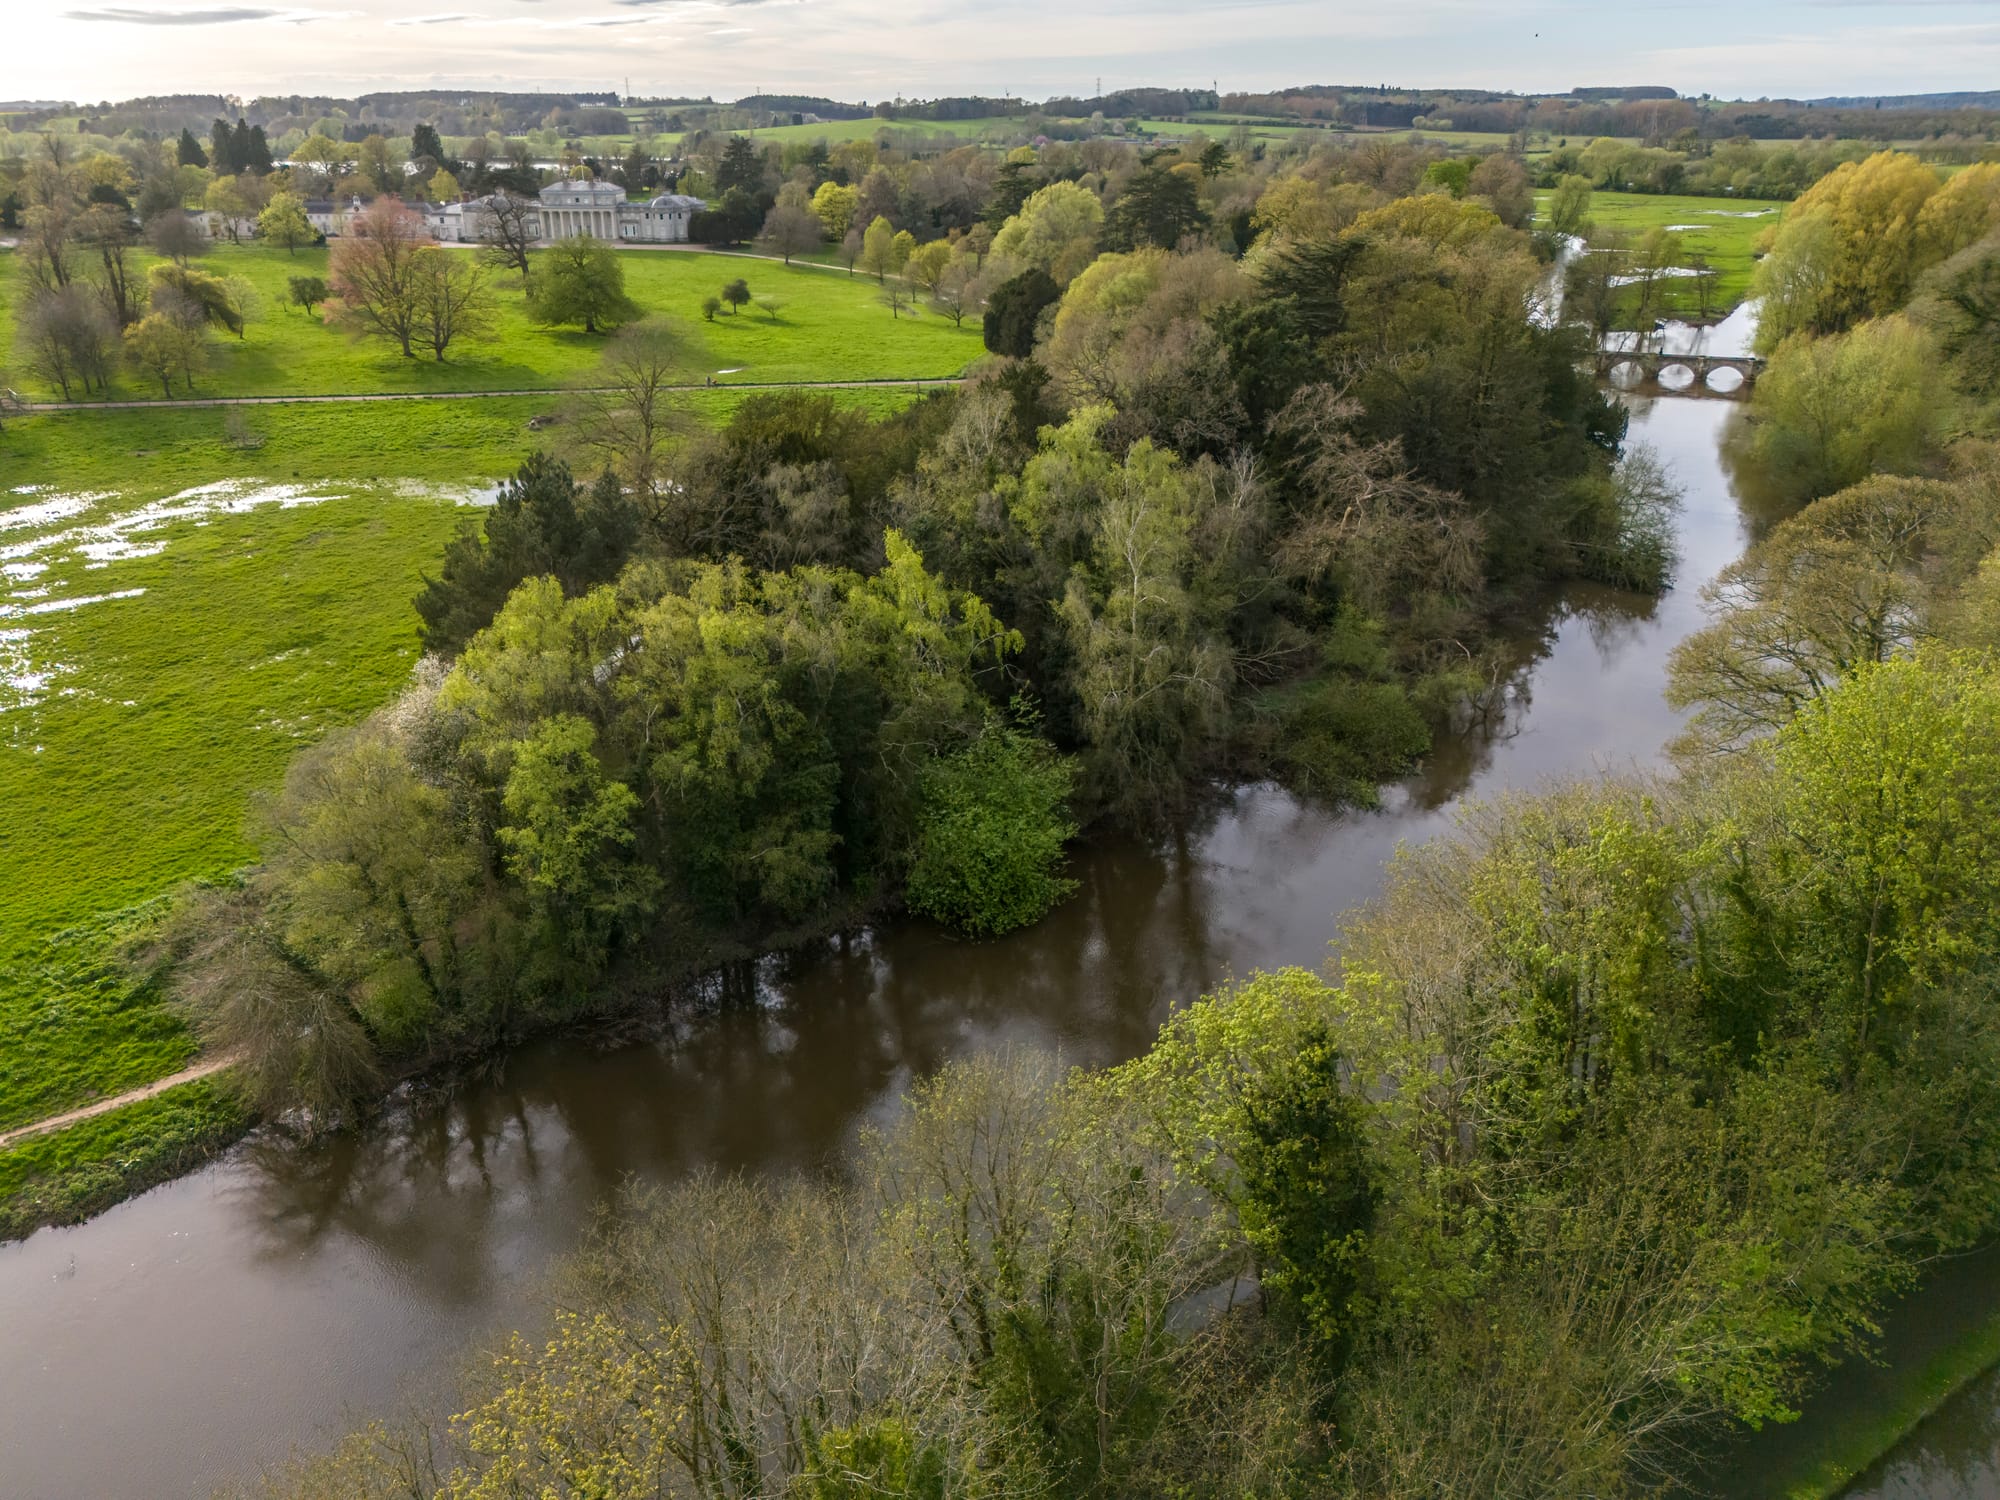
(830,327)
(994,127)
(220,628)
(1723,231)
(182,607)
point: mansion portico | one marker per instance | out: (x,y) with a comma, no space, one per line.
(564,210)
(572,208)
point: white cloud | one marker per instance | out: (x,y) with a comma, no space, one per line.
(850,49)
(219,15)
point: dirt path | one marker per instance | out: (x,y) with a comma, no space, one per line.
(31,407)
(105,1106)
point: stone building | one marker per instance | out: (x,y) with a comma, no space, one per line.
(564,210)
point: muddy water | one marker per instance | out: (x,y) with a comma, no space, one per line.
(268,1301)
(1953,1456)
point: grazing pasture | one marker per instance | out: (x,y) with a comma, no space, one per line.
(1721,231)
(828,326)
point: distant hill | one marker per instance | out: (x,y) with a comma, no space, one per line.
(1989,99)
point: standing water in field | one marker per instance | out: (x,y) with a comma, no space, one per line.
(278,1296)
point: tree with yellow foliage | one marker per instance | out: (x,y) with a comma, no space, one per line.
(1961,213)
(1056,230)
(1853,244)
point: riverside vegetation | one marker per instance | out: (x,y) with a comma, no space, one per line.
(1622,1110)
(810,665)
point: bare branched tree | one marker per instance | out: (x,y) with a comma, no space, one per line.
(507,229)
(452,300)
(377,273)
(633,408)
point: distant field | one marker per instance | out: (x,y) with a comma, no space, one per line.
(1222,130)
(1222,127)
(1720,230)
(831,327)
(997,126)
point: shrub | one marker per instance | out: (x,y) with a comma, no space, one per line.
(991,835)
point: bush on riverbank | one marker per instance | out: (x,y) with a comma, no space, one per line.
(990,837)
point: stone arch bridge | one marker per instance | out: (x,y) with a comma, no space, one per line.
(1653,367)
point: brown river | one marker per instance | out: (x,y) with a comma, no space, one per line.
(277,1297)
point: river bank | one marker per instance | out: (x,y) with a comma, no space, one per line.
(1873,1412)
(277,1296)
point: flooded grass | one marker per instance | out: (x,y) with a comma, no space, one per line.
(1722,231)
(143,701)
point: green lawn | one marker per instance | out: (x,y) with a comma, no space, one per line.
(830,327)
(1721,230)
(132,729)
(1222,130)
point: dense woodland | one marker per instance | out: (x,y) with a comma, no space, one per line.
(732,686)
(1622,1111)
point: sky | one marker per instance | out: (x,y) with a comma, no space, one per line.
(91,50)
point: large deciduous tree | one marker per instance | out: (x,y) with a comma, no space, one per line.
(879,250)
(1829,410)
(579,280)
(790,230)
(109,229)
(452,299)
(177,235)
(507,228)
(284,222)
(1850,581)
(196,298)
(376,273)
(633,408)
(66,338)
(1852,245)
(834,205)
(1055,231)
(166,347)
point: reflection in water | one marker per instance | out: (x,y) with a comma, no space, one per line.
(267,1301)
(1731,338)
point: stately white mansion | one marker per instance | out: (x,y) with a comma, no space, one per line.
(561,211)
(564,210)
